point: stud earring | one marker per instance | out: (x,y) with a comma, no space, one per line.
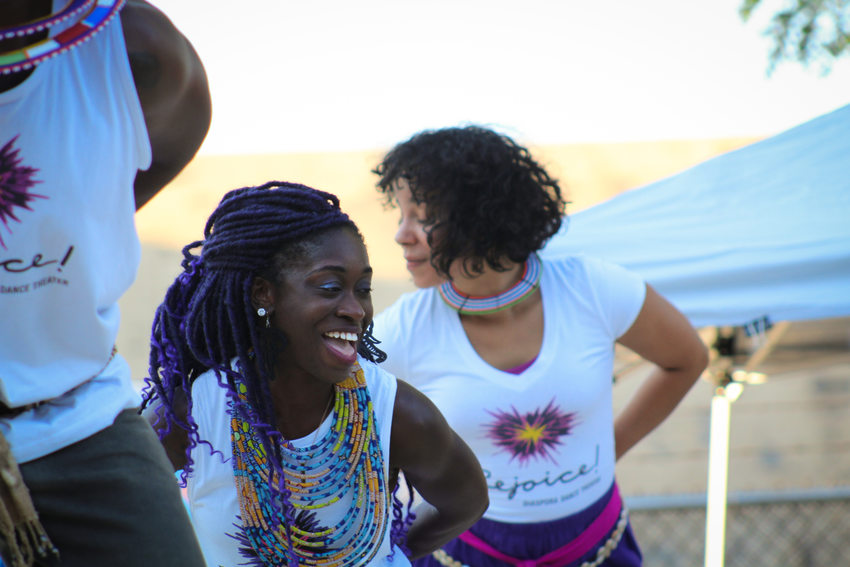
(265,314)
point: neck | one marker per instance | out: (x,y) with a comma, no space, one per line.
(13,13)
(494,291)
(490,282)
(16,12)
(300,408)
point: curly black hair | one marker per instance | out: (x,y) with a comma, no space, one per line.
(486,199)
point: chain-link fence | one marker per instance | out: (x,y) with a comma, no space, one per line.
(765,529)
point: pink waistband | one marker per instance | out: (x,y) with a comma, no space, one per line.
(585,542)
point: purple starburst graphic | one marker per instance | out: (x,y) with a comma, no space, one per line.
(305,521)
(536,434)
(16,180)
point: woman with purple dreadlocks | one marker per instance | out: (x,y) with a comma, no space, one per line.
(265,391)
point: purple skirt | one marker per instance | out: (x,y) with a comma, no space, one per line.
(532,541)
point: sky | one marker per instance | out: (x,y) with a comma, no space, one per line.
(340,75)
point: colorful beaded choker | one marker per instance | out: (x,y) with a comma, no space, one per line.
(336,487)
(96,14)
(478,305)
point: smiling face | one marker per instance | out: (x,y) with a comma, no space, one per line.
(322,302)
(413,238)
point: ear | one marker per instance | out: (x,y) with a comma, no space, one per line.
(262,294)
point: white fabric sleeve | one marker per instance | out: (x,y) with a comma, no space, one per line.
(619,294)
(389,330)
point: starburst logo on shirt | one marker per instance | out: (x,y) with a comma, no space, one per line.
(535,434)
(16,181)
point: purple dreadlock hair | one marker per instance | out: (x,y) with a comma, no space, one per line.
(207,319)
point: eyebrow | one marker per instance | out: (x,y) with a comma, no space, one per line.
(337,269)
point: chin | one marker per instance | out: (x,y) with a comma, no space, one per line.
(341,376)
(427,279)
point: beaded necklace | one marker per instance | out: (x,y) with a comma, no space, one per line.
(340,475)
(96,14)
(483,305)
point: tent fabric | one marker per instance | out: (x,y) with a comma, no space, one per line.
(759,232)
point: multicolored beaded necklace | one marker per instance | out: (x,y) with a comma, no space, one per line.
(95,15)
(475,305)
(339,476)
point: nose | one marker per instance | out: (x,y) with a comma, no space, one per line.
(353,308)
(404,235)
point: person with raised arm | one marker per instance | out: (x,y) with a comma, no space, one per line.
(102,103)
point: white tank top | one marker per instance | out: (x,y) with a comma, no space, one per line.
(213,500)
(73,137)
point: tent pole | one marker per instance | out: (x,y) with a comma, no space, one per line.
(718,473)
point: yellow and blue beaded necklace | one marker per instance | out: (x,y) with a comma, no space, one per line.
(336,488)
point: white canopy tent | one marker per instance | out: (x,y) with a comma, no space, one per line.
(757,235)
(762,231)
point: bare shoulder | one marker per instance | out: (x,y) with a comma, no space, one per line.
(162,59)
(173,90)
(419,429)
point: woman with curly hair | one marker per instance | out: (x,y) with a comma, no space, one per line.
(517,352)
(264,388)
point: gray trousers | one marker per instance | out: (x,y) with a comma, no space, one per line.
(112,499)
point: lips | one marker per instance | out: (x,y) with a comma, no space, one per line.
(414,263)
(343,345)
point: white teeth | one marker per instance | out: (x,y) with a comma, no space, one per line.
(343,336)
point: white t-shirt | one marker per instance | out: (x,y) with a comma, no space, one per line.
(211,488)
(545,437)
(73,138)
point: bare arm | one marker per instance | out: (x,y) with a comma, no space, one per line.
(441,467)
(177,440)
(173,91)
(663,336)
